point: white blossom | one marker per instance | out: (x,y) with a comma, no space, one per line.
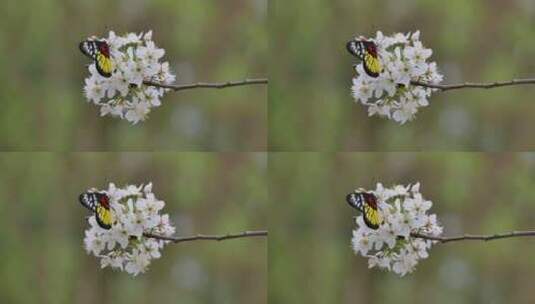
(391,246)
(404,59)
(135,58)
(135,211)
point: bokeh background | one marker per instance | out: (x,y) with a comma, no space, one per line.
(42,73)
(42,225)
(310,106)
(310,258)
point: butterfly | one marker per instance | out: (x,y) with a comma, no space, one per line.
(366,202)
(366,51)
(98,50)
(99,203)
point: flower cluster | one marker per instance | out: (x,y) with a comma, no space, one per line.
(135,211)
(391,95)
(392,246)
(135,59)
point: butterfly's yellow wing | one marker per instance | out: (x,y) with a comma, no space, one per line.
(104,216)
(372,65)
(104,65)
(372,217)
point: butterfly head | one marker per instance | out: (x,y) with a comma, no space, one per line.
(371,199)
(104,200)
(371,47)
(103,47)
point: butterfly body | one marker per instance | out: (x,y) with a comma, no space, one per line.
(366,51)
(99,203)
(99,51)
(366,202)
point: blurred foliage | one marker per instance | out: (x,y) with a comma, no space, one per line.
(310,257)
(310,106)
(42,74)
(42,225)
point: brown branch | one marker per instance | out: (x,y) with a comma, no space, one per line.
(474,237)
(205,237)
(474,85)
(215,85)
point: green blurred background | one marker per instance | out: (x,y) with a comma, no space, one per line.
(310,258)
(42,225)
(310,106)
(42,73)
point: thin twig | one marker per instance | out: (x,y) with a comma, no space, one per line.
(475,237)
(474,85)
(215,85)
(205,237)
